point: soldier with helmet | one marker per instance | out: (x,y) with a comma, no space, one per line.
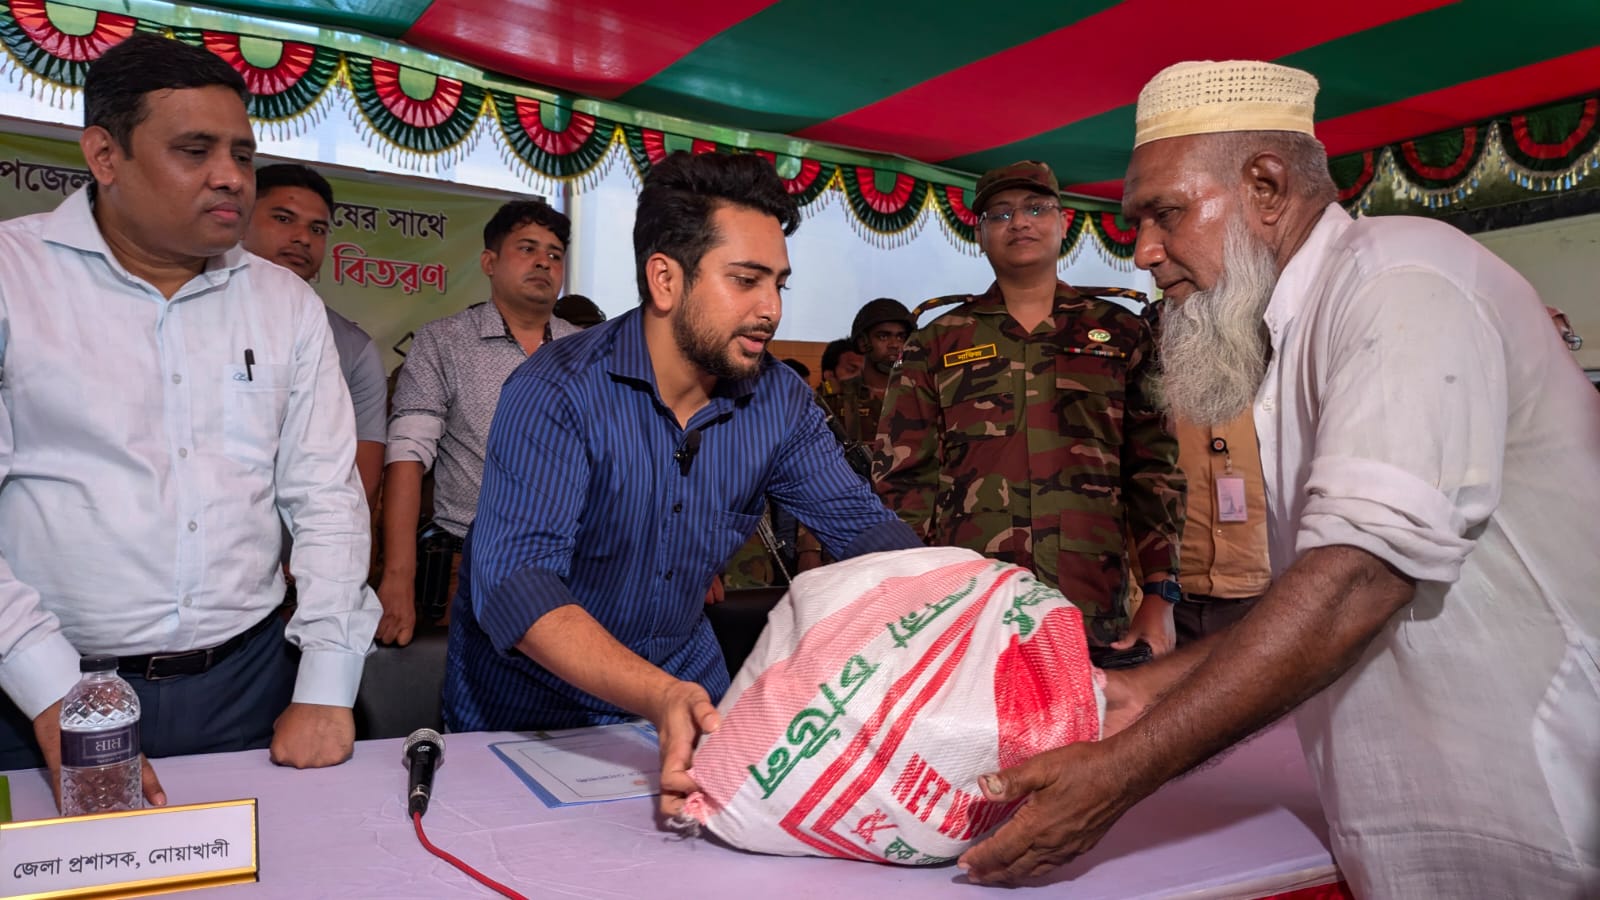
(879,332)
(1020,425)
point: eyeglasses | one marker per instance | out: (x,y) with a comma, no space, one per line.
(1034,211)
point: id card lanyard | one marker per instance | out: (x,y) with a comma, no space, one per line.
(1230,487)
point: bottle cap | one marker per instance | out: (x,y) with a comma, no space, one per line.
(97,663)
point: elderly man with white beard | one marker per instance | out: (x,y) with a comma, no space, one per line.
(1432,462)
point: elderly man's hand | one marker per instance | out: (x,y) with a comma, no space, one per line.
(1074,794)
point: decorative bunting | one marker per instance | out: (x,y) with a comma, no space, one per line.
(1439,160)
(1554,148)
(51,54)
(1552,139)
(804,179)
(289,88)
(959,219)
(1352,174)
(1077,221)
(1114,236)
(414,115)
(437,123)
(571,146)
(887,210)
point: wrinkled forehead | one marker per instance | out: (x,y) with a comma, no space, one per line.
(1174,166)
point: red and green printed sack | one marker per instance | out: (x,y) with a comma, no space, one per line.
(881,689)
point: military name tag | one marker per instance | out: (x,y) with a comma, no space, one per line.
(1104,350)
(970,355)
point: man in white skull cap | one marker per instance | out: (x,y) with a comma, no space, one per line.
(1432,462)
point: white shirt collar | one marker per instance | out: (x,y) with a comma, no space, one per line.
(72,225)
(1305,267)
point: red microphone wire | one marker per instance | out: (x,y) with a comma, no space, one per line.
(481,878)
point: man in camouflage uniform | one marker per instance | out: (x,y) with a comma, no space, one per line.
(879,332)
(1020,425)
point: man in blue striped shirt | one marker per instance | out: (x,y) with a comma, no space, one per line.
(627,463)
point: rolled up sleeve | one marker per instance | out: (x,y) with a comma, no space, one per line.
(529,510)
(1410,441)
(420,405)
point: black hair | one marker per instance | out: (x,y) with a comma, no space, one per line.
(834,350)
(801,368)
(681,193)
(579,310)
(518,213)
(117,82)
(293,175)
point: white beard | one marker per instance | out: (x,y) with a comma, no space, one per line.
(1213,346)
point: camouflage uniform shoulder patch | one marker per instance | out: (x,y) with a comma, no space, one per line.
(1124,293)
(936,302)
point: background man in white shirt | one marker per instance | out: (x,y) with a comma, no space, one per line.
(164,397)
(290,226)
(1431,455)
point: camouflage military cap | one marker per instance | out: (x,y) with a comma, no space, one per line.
(1031,174)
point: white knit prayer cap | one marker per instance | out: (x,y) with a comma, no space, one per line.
(1208,97)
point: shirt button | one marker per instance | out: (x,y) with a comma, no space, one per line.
(193,526)
(677,507)
(177,379)
(1266,403)
(183,452)
(1219,532)
(188,600)
(668,576)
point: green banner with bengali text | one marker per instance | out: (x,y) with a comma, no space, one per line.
(400,255)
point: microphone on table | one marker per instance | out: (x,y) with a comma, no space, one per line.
(424,752)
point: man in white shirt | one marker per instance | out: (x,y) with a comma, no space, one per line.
(164,397)
(1431,455)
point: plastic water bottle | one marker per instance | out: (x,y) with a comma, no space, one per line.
(100,768)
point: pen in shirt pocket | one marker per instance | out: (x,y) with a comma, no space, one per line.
(249,360)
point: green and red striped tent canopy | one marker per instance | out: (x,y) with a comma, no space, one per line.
(1426,106)
(970,85)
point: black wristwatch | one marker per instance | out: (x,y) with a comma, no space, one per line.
(1168,590)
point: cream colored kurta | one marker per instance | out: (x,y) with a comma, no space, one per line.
(1419,406)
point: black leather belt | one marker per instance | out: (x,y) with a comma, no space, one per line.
(157,666)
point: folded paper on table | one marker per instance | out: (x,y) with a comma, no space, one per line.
(588,765)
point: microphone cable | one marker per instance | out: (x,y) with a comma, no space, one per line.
(486,881)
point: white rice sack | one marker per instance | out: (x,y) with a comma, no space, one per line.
(881,689)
